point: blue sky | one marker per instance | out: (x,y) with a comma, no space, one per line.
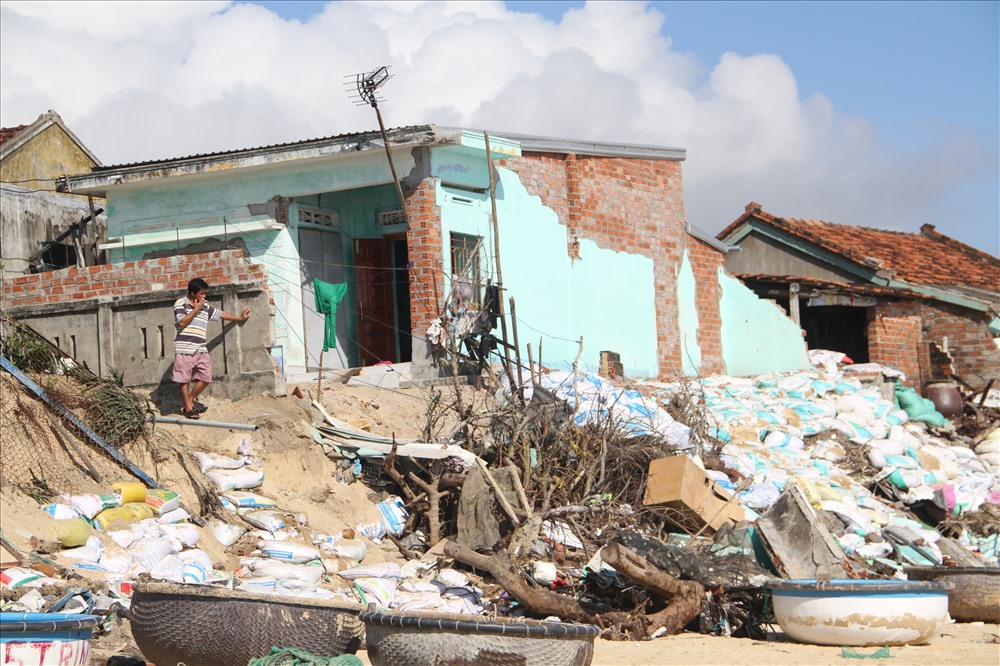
(911,68)
(881,114)
(901,64)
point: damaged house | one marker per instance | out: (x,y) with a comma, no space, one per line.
(592,240)
(922,302)
(41,229)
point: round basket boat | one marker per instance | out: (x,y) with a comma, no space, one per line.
(207,626)
(440,639)
(976,597)
(860,612)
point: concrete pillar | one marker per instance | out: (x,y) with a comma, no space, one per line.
(105,339)
(231,342)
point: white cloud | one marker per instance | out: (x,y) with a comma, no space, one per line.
(150,80)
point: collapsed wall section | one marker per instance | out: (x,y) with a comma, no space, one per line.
(626,205)
(963,334)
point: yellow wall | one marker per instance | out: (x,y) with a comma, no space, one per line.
(49,154)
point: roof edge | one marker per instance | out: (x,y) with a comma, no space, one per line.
(708,239)
(41,123)
(534,143)
(104,177)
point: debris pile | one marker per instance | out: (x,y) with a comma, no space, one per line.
(645,509)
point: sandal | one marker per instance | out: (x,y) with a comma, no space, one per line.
(199,408)
(191,415)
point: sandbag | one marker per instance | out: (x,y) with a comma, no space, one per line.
(242,499)
(89,552)
(130,491)
(286,574)
(226,534)
(236,479)
(265,520)
(210,461)
(197,566)
(186,533)
(288,551)
(90,504)
(62,511)
(162,500)
(147,552)
(17,576)
(72,532)
(116,559)
(380,591)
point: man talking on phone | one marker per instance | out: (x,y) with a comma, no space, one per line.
(192,362)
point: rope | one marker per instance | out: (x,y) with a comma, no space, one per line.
(296,657)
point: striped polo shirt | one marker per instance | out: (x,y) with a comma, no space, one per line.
(191,339)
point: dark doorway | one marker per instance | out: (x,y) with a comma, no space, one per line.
(837,328)
(401,298)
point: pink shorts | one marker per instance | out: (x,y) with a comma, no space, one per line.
(192,368)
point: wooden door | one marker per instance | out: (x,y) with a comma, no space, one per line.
(374,284)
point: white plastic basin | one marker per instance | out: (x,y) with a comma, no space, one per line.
(860,612)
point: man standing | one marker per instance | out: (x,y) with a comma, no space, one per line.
(191,360)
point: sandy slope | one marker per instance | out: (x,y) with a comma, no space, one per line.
(303,479)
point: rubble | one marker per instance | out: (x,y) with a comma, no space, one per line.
(645,509)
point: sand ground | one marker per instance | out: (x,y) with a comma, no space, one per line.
(303,479)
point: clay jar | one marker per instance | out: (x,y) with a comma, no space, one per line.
(946,398)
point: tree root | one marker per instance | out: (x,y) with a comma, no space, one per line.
(683,598)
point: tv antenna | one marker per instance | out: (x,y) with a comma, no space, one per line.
(365,92)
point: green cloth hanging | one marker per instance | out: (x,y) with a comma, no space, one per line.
(328,297)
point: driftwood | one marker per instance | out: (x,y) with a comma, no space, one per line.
(683,598)
(433,512)
(510,578)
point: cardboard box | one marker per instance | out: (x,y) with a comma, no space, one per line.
(679,484)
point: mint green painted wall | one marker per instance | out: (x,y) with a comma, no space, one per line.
(607,297)
(216,205)
(757,336)
(614,308)
(687,318)
(460,166)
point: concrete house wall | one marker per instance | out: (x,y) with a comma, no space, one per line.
(238,208)
(31,212)
(121,316)
(593,242)
(46,155)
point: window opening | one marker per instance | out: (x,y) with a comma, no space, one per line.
(465,263)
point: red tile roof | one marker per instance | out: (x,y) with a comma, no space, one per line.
(8,133)
(927,258)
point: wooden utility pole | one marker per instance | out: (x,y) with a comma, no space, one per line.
(496,255)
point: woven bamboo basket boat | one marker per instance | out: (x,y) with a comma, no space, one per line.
(976,597)
(208,626)
(440,639)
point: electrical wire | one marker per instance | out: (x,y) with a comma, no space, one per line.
(285,273)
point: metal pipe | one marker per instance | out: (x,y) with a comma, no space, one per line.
(208,424)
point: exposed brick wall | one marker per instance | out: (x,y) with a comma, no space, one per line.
(970,345)
(634,206)
(897,340)
(129,278)
(423,240)
(705,263)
